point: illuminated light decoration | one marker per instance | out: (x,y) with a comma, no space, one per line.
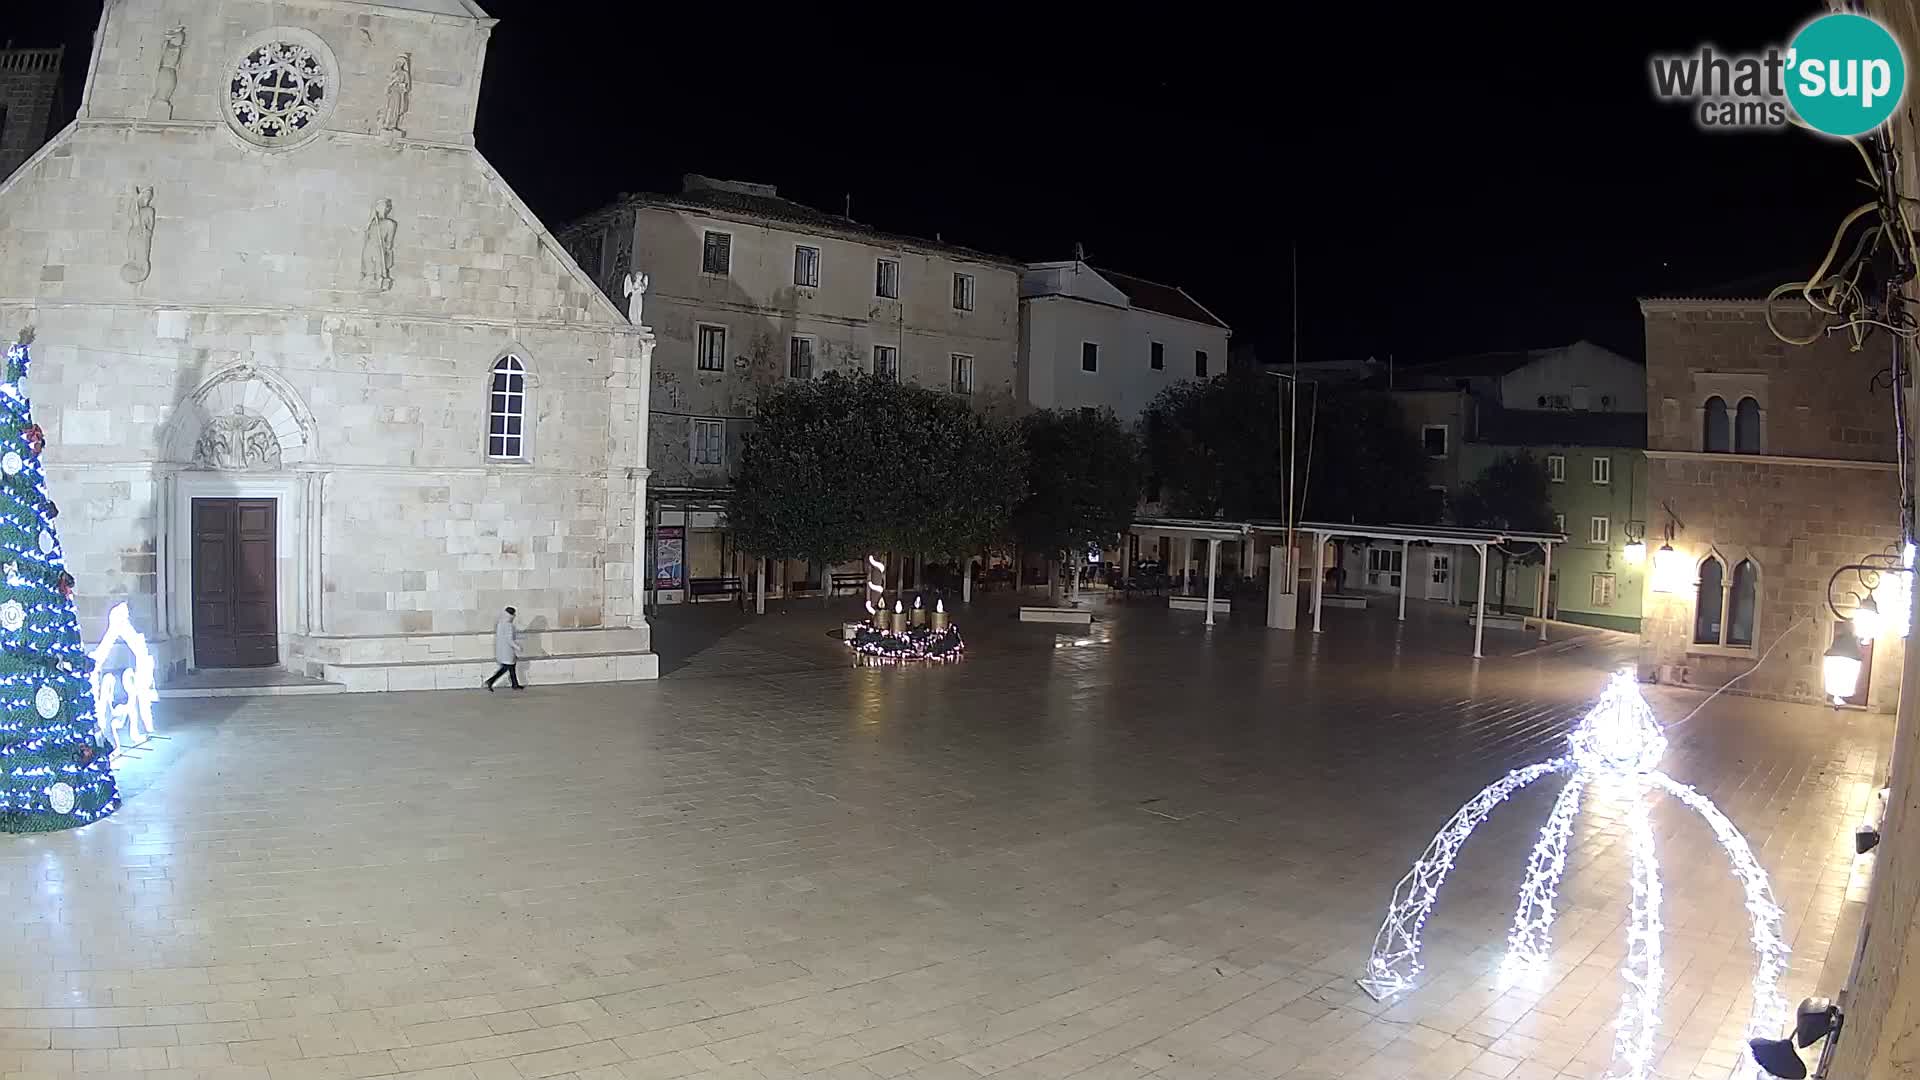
(1635,553)
(11,464)
(1639,1013)
(1671,571)
(1866,620)
(1529,943)
(1769,1010)
(1840,667)
(875,589)
(1618,743)
(123,700)
(53,774)
(1894,595)
(1395,962)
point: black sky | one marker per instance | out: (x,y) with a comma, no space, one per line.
(1484,178)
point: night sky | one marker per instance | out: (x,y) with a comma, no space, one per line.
(1490,178)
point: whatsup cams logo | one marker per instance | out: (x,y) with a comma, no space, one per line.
(1841,75)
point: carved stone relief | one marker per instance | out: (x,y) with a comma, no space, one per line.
(399,95)
(376,248)
(139,238)
(167,78)
(237,442)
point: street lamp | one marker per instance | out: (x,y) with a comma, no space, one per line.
(1669,570)
(1866,620)
(1840,668)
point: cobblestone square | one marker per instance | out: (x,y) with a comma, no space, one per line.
(1156,850)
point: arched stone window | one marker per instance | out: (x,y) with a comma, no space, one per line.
(1710,602)
(1746,427)
(1716,435)
(1743,601)
(507,434)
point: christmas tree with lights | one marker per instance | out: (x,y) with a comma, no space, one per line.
(53,772)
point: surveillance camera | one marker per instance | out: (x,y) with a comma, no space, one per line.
(1865,839)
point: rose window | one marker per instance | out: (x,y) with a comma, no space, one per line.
(279,92)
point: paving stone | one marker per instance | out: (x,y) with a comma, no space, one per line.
(1165,853)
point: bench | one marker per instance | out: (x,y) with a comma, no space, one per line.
(1074,616)
(846,581)
(1198,603)
(714,586)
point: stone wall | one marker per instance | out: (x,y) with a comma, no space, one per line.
(1798,524)
(256,272)
(1796,516)
(761,310)
(1814,399)
(29,92)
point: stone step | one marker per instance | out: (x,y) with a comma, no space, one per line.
(468,674)
(244,682)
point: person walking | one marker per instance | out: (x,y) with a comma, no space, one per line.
(506,651)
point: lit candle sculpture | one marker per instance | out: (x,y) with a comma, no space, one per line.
(899,618)
(919,613)
(939,616)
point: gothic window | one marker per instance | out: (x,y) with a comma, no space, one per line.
(1726,607)
(507,411)
(1710,602)
(1715,436)
(281,88)
(1746,427)
(1742,598)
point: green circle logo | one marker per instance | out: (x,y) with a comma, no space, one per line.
(1845,74)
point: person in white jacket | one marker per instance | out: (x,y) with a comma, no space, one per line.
(506,650)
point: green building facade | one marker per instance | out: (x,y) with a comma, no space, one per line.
(1599,469)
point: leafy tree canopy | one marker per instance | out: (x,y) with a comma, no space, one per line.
(1514,492)
(1083,480)
(847,464)
(1217,448)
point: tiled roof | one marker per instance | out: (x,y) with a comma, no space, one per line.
(786,211)
(1526,427)
(1164,299)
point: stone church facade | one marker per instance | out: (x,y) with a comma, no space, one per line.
(319,390)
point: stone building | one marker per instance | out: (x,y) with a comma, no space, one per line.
(319,390)
(1095,338)
(747,289)
(1770,466)
(1579,409)
(29,98)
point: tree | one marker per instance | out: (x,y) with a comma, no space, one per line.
(946,478)
(57,774)
(1083,481)
(843,465)
(1512,493)
(1367,464)
(1213,446)
(1218,448)
(805,478)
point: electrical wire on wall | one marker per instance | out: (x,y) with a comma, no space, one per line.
(1862,293)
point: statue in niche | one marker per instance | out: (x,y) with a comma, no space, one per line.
(634,288)
(376,248)
(399,91)
(139,238)
(167,79)
(237,442)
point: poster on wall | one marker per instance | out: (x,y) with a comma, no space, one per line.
(669,556)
